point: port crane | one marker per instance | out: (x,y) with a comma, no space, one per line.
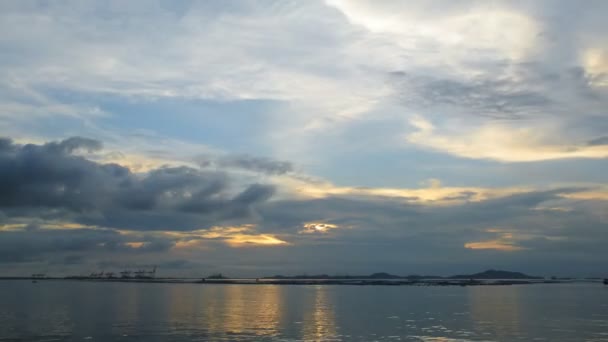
(139,274)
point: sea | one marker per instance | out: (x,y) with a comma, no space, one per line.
(103,311)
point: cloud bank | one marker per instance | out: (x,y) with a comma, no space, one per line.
(61,208)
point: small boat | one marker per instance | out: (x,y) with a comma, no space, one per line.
(606,281)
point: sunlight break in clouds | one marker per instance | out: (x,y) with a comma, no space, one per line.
(317,227)
(595,62)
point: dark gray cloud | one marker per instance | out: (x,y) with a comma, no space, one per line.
(257,164)
(598,141)
(37,244)
(392,216)
(503,90)
(248,163)
(493,97)
(38,179)
(377,231)
(72,259)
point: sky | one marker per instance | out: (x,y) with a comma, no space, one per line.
(255,138)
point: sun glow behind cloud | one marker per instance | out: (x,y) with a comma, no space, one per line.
(595,62)
(317,227)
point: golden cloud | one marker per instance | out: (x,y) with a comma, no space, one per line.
(138,244)
(506,241)
(498,245)
(247,240)
(233,236)
(13,227)
(434,194)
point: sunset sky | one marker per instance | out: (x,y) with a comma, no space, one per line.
(342,136)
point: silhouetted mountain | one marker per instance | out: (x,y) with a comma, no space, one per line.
(489,274)
(495,274)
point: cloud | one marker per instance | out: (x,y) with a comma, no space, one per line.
(500,142)
(40,244)
(504,242)
(248,163)
(598,141)
(431,193)
(253,58)
(238,236)
(595,62)
(73,144)
(317,228)
(491,96)
(460,26)
(51,177)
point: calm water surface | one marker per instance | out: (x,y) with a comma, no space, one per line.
(82,311)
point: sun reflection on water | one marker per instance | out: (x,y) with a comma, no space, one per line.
(320,323)
(243,310)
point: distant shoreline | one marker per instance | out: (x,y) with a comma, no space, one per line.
(267,281)
(487,278)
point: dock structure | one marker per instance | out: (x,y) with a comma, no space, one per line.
(138,274)
(143,274)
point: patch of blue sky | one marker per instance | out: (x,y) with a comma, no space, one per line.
(235,126)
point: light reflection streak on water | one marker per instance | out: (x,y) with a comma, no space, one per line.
(320,325)
(238,311)
(496,311)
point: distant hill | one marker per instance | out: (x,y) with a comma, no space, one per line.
(489,274)
(495,274)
